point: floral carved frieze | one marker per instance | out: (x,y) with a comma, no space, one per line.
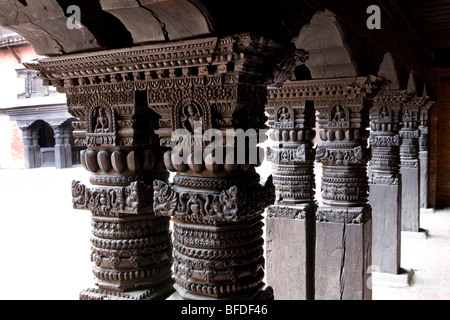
(300,155)
(357,155)
(117,201)
(357,215)
(231,205)
(385,141)
(289,212)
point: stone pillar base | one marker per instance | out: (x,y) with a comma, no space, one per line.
(343,253)
(421,234)
(403,279)
(161,293)
(264,294)
(386,243)
(290,251)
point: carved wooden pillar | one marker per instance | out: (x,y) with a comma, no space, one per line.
(216,200)
(290,221)
(131,246)
(424,147)
(410,167)
(385,181)
(344,225)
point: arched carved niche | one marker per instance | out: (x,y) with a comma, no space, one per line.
(284,118)
(190,109)
(101,124)
(339,116)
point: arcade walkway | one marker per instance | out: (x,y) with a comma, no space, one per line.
(45,243)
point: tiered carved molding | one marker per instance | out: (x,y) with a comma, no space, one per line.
(292,122)
(384,138)
(343,226)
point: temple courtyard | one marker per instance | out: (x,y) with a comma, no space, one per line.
(45,242)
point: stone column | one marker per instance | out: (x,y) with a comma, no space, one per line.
(62,158)
(385,181)
(31,148)
(67,145)
(36,147)
(216,200)
(344,223)
(424,147)
(290,221)
(410,164)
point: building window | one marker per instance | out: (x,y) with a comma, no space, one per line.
(33,85)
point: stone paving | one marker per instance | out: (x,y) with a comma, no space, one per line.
(428,257)
(45,248)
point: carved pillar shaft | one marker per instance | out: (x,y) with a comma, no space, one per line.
(344,225)
(291,219)
(410,165)
(216,200)
(385,180)
(424,146)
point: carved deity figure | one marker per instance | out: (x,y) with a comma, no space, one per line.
(338,114)
(384,113)
(101,123)
(406,115)
(189,117)
(283,115)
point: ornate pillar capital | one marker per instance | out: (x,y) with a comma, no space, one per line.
(291,122)
(410,134)
(385,140)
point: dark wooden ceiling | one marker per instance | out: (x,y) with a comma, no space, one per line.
(431,19)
